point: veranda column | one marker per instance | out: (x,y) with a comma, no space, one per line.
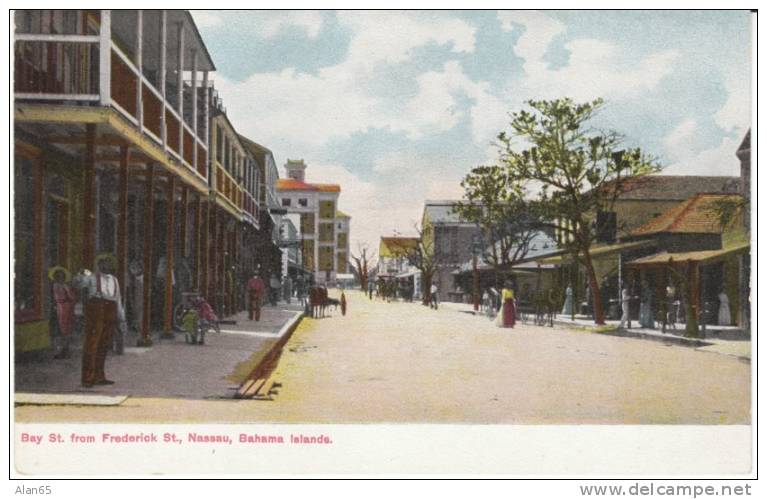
(169,244)
(205,249)
(184,221)
(122,222)
(89,216)
(145,339)
(213,262)
(196,243)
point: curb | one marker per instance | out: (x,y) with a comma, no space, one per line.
(269,360)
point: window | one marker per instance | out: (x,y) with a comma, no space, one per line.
(303,202)
(327,209)
(219,144)
(326,255)
(326,233)
(285,201)
(307,223)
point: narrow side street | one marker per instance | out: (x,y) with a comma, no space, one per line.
(404,363)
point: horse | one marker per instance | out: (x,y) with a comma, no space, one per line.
(318,301)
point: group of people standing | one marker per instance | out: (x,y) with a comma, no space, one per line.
(104,316)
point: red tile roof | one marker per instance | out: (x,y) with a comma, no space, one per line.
(291,184)
(328,187)
(675,187)
(697,215)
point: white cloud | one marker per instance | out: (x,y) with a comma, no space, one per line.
(267,24)
(274,21)
(390,36)
(735,114)
(540,31)
(595,68)
(207,18)
(678,143)
(720,160)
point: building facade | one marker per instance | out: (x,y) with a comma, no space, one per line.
(123,147)
(325,235)
(450,239)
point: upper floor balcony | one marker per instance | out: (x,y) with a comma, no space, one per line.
(150,66)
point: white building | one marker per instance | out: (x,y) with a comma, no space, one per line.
(324,231)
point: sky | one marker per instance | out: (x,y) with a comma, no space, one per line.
(397,106)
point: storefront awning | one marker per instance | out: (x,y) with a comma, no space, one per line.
(704,257)
(600,251)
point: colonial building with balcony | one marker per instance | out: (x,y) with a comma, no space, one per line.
(112,154)
(266,242)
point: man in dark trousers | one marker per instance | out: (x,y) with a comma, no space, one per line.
(104,313)
(256,290)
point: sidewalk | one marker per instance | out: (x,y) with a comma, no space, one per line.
(725,340)
(169,368)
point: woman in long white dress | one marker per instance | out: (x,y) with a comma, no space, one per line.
(567,308)
(725,318)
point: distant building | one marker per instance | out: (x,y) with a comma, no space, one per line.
(393,255)
(450,238)
(320,225)
(266,241)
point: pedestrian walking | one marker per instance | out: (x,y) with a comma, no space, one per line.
(371,288)
(256,290)
(288,287)
(343,303)
(625,301)
(646,319)
(104,315)
(64,299)
(507,316)
(725,318)
(567,308)
(433,296)
(274,290)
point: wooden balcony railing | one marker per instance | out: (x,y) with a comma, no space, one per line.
(64,68)
(67,70)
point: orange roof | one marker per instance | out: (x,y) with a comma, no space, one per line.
(697,215)
(291,184)
(327,187)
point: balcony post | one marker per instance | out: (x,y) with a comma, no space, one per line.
(163,74)
(169,263)
(145,340)
(89,216)
(140,67)
(194,106)
(105,58)
(206,112)
(183,229)
(122,221)
(180,82)
(196,242)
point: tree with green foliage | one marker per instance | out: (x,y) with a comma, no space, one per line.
(579,171)
(506,220)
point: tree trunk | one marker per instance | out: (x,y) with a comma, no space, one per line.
(426,288)
(599,314)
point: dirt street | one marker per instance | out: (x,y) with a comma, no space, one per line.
(401,362)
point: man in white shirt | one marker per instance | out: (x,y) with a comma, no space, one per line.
(434,298)
(104,313)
